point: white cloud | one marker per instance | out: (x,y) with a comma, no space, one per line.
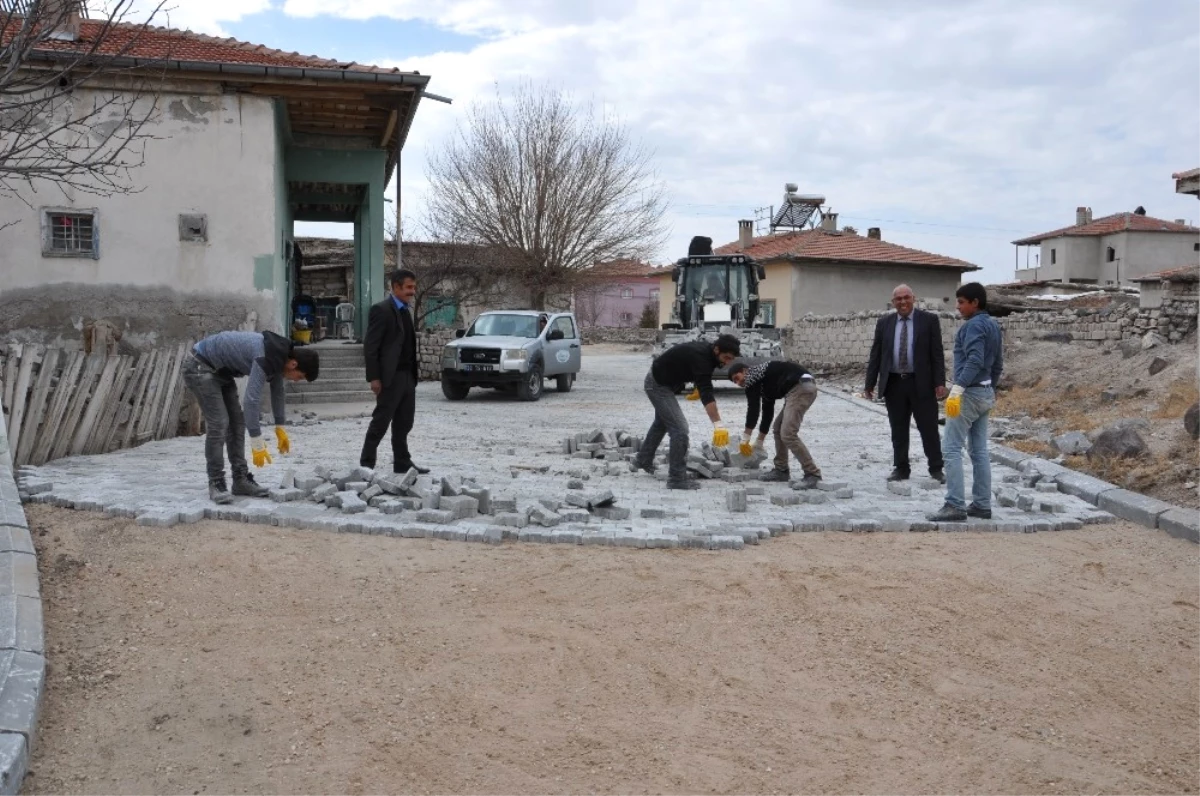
(981,116)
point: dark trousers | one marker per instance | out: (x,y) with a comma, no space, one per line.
(903,404)
(668,419)
(396,405)
(225,427)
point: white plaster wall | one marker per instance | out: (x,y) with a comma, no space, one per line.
(834,289)
(212,154)
(1149,252)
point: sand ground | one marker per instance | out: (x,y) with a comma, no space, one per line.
(226,658)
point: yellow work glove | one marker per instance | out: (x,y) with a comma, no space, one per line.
(258,452)
(954,401)
(745,448)
(285,444)
(720,435)
(694,395)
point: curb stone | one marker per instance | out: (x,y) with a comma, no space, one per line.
(22,645)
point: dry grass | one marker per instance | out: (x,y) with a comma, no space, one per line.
(1181,394)
(1027,445)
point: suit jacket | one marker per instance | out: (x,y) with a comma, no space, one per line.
(929,360)
(390,346)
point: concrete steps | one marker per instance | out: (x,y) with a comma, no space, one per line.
(343,377)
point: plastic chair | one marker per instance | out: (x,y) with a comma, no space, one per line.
(343,318)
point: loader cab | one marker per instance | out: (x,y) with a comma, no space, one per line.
(712,291)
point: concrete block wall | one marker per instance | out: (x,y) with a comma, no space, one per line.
(617,334)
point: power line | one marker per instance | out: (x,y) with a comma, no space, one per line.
(852,214)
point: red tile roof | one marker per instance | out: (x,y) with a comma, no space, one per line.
(819,244)
(1188,273)
(155,43)
(1108,225)
(622,269)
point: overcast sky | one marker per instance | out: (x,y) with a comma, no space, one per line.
(956,126)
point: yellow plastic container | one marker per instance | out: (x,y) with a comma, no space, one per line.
(302,336)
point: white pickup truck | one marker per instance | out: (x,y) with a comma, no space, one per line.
(514,351)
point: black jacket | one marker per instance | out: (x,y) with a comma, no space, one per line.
(390,346)
(777,381)
(694,362)
(929,360)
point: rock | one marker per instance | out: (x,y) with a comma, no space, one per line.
(1129,348)
(1108,396)
(1116,442)
(1150,341)
(1158,365)
(1073,443)
(1191,420)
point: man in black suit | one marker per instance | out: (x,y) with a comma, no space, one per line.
(908,363)
(390,350)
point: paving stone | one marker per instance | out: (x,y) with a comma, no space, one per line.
(192,514)
(288,481)
(540,515)
(1009,457)
(357,487)
(323,492)
(362,474)
(14,761)
(814,497)
(15,540)
(21,624)
(1181,523)
(844,494)
(162,518)
(577,500)
(902,488)
(575,515)
(1082,486)
(19,574)
(726,542)
(436,516)
(865,526)
(285,495)
(460,506)
(1046,486)
(787,499)
(735,500)
(613,513)
(512,519)
(391,484)
(483,496)
(451,486)
(308,483)
(1133,506)
(1052,507)
(22,682)
(374,490)
(352,503)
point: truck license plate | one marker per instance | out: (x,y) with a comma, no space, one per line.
(479,367)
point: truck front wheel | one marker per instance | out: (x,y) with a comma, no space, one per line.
(530,389)
(455,390)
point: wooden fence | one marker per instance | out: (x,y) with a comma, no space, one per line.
(62,403)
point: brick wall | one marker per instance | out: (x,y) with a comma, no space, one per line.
(431,343)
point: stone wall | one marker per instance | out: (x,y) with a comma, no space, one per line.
(431,342)
(839,341)
(618,334)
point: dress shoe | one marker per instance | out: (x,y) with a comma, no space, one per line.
(246,486)
(634,466)
(947,513)
(898,475)
(402,468)
(683,484)
(938,475)
(975,511)
(810,482)
(776,475)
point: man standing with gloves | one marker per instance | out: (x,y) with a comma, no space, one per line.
(765,384)
(978,363)
(686,362)
(209,373)
(390,351)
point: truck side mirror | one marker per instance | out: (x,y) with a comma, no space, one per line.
(674,274)
(459,332)
(555,334)
(762,271)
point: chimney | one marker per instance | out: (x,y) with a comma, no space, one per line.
(874,234)
(63,17)
(745,234)
(1083,215)
(829,222)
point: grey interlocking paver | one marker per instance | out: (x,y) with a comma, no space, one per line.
(14,761)
(22,680)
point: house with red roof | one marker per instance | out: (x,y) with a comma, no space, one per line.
(1112,250)
(241,141)
(831,271)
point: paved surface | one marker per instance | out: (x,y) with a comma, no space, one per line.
(515,451)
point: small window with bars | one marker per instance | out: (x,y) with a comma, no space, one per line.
(69,233)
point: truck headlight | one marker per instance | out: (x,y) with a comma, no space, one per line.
(516,353)
(450,352)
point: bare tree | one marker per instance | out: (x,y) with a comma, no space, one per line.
(557,186)
(446,268)
(74,106)
(591,302)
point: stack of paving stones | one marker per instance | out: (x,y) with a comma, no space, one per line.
(22,651)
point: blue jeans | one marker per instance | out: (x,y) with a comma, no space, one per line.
(969,428)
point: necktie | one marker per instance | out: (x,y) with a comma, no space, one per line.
(904,366)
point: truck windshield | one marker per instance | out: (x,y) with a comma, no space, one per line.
(503,325)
